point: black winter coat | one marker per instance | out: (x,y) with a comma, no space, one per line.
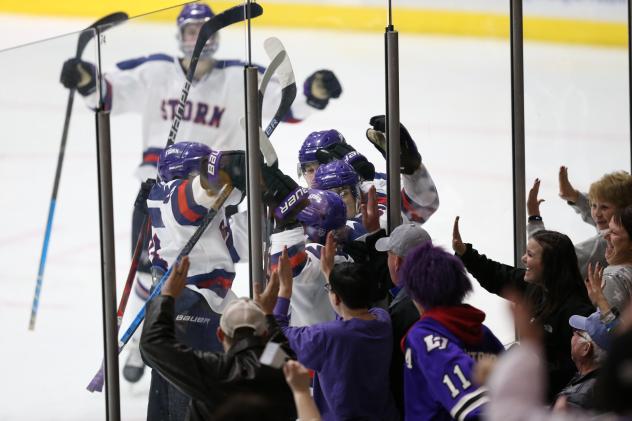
(496,277)
(210,378)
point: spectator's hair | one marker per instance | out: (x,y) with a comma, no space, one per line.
(352,283)
(623,218)
(615,188)
(598,355)
(242,333)
(433,277)
(561,277)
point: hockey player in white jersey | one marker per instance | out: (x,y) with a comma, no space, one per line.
(152,86)
(349,175)
(326,161)
(177,204)
(304,241)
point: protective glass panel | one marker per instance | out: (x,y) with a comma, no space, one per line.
(52,362)
(455,100)
(145,64)
(576,106)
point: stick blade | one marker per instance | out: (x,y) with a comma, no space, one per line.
(102,24)
(96,384)
(235,14)
(284,73)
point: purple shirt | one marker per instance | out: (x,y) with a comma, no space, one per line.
(351,359)
(438,383)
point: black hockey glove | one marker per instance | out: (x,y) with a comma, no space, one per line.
(141,199)
(80,75)
(223,167)
(347,153)
(321,86)
(410,159)
(283,195)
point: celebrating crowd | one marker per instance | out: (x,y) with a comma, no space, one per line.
(351,323)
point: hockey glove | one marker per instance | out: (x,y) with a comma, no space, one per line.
(283,194)
(80,75)
(410,159)
(321,86)
(141,199)
(345,152)
(223,167)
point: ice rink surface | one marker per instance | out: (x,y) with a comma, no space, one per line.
(455,101)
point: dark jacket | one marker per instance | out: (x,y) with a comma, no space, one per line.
(209,378)
(496,278)
(403,314)
(579,391)
(375,263)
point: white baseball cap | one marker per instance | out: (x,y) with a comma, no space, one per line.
(242,312)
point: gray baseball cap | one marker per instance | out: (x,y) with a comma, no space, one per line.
(403,239)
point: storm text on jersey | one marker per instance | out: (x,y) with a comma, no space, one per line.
(198,112)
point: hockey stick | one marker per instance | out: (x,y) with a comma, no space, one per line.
(131,275)
(85,36)
(267,76)
(288,85)
(97,381)
(228,17)
(233,15)
(275,50)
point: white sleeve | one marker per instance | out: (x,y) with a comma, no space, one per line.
(309,303)
(419,195)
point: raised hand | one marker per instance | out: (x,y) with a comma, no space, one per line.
(567,192)
(533,203)
(457,244)
(410,159)
(320,86)
(267,299)
(177,279)
(327,255)
(78,74)
(296,376)
(370,212)
(284,272)
(594,287)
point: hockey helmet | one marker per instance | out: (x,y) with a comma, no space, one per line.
(316,141)
(195,13)
(336,174)
(326,212)
(181,159)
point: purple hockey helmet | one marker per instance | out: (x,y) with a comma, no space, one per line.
(316,141)
(326,212)
(335,174)
(196,13)
(181,160)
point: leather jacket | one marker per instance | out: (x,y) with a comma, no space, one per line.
(210,378)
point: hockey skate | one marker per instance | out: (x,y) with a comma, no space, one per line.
(134,366)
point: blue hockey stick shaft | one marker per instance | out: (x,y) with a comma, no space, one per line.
(97,381)
(85,36)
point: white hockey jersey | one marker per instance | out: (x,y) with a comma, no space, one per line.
(419,197)
(176,209)
(309,303)
(152,86)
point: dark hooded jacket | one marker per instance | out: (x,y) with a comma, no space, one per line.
(498,278)
(210,378)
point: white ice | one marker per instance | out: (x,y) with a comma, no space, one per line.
(455,100)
